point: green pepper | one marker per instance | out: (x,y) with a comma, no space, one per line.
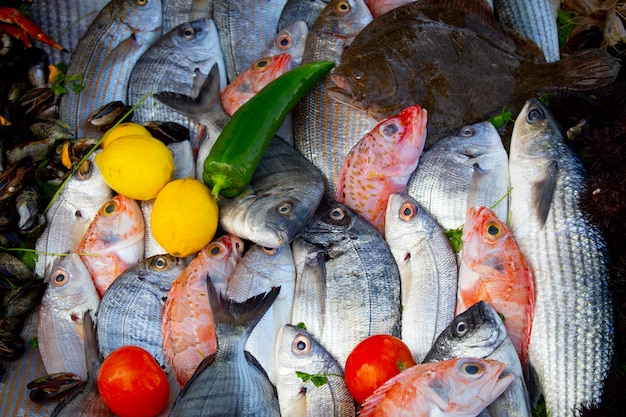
(237,151)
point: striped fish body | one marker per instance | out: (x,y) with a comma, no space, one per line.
(105,56)
(568,256)
(176,12)
(305,10)
(325,130)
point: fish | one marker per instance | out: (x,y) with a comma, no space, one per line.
(182,11)
(309,298)
(381,163)
(291,40)
(188,326)
(298,351)
(494,269)
(150,246)
(428,272)
(304,10)
(261,269)
(71,213)
(250,81)
(69,295)
(131,310)
(422,51)
(442,181)
(455,387)
(282,197)
(326,139)
(568,257)
(178,62)
(115,40)
(230,382)
(378,7)
(113,242)
(362,291)
(480,332)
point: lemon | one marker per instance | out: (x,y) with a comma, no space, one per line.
(184,217)
(136,166)
(124,129)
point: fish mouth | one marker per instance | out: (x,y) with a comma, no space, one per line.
(346,91)
(498,386)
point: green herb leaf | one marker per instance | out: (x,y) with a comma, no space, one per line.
(565,25)
(454,236)
(501,119)
(502,317)
(301,325)
(540,409)
(34,342)
(317,379)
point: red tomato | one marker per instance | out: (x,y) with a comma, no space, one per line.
(373,361)
(132,383)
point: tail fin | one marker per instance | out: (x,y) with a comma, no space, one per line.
(589,69)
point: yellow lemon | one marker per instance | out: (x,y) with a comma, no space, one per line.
(124,129)
(136,166)
(184,217)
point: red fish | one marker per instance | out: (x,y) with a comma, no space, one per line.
(381,163)
(494,269)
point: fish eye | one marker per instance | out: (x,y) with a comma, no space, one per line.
(358,75)
(215,250)
(389,129)
(337,214)
(492,229)
(160,262)
(284,42)
(461,328)
(262,63)
(407,211)
(472,369)
(301,345)
(342,7)
(188,32)
(141,2)
(60,279)
(467,132)
(285,208)
(270,251)
(534,115)
(109,208)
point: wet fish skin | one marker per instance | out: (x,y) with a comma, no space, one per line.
(428,272)
(305,10)
(568,256)
(309,299)
(120,33)
(176,12)
(298,351)
(69,295)
(291,39)
(378,7)
(284,193)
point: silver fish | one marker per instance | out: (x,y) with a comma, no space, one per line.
(428,271)
(298,351)
(131,310)
(324,129)
(178,62)
(259,270)
(69,295)
(568,256)
(443,179)
(309,298)
(105,56)
(305,10)
(284,193)
(291,39)
(362,279)
(230,382)
(480,332)
(176,12)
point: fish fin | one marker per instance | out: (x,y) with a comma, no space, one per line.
(205,363)
(92,353)
(588,69)
(472,196)
(195,107)
(543,191)
(534,386)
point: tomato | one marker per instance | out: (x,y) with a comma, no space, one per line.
(373,361)
(132,384)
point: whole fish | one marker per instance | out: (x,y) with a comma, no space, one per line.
(568,257)
(178,62)
(428,272)
(455,387)
(86,400)
(113,242)
(284,193)
(259,271)
(105,56)
(420,53)
(480,332)
(362,291)
(131,310)
(305,10)
(291,40)
(188,325)
(494,269)
(324,129)
(381,163)
(443,179)
(245,28)
(250,81)
(230,382)
(71,213)
(298,351)
(176,12)
(69,295)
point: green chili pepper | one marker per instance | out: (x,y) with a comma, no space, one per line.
(237,151)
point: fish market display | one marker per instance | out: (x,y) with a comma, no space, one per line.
(105,56)
(428,272)
(416,54)
(381,163)
(568,257)
(456,387)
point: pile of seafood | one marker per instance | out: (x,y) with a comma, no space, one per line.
(456,180)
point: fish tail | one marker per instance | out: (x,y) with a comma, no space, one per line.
(236,314)
(589,68)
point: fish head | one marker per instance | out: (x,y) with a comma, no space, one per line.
(159,270)
(535,131)
(265,70)
(290,40)
(69,282)
(196,41)
(343,18)
(486,238)
(475,140)
(331,224)
(141,15)
(406,134)
(221,257)
(406,219)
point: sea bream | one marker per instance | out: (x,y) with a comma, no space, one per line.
(568,257)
